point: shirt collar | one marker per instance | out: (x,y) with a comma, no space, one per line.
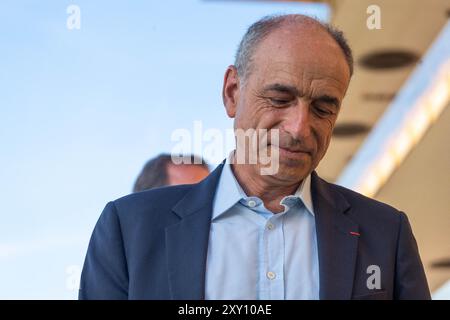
(229,192)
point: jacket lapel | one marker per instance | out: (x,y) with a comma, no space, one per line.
(337,241)
(187,240)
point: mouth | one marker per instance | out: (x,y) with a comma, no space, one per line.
(287,150)
(293,153)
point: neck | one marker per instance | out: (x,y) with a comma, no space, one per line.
(267,188)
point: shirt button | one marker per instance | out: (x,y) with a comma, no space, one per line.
(270,226)
(271,275)
(252,203)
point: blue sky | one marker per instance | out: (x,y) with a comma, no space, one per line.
(82,110)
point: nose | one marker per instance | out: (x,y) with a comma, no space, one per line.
(298,122)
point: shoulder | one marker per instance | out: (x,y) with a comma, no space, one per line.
(150,201)
(368,210)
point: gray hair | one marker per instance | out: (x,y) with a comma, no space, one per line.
(263,27)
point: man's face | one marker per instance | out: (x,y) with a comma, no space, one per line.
(296,83)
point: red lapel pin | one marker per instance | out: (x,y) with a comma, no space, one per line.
(353,233)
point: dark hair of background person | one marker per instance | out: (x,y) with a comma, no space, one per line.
(154,174)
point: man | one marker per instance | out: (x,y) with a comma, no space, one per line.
(161,171)
(241,234)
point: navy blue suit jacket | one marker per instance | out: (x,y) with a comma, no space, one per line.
(153,245)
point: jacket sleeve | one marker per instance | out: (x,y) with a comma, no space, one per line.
(105,274)
(410,279)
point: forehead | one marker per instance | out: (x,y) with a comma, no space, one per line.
(302,56)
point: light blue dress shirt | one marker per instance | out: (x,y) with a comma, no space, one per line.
(255,254)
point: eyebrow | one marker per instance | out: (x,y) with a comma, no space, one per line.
(282,88)
(294,91)
(329,99)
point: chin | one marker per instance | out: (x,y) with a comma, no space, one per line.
(292,173)
(298,164)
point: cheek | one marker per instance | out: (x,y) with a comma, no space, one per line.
(255,114)
(324,129)
(241,117)
(326,143)
(269,118)
(328,124)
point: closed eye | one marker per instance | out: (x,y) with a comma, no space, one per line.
(322,111)
(328,101)
(279,102)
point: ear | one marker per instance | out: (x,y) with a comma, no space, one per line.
(230,90)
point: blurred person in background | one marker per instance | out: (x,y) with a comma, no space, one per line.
(162,171)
